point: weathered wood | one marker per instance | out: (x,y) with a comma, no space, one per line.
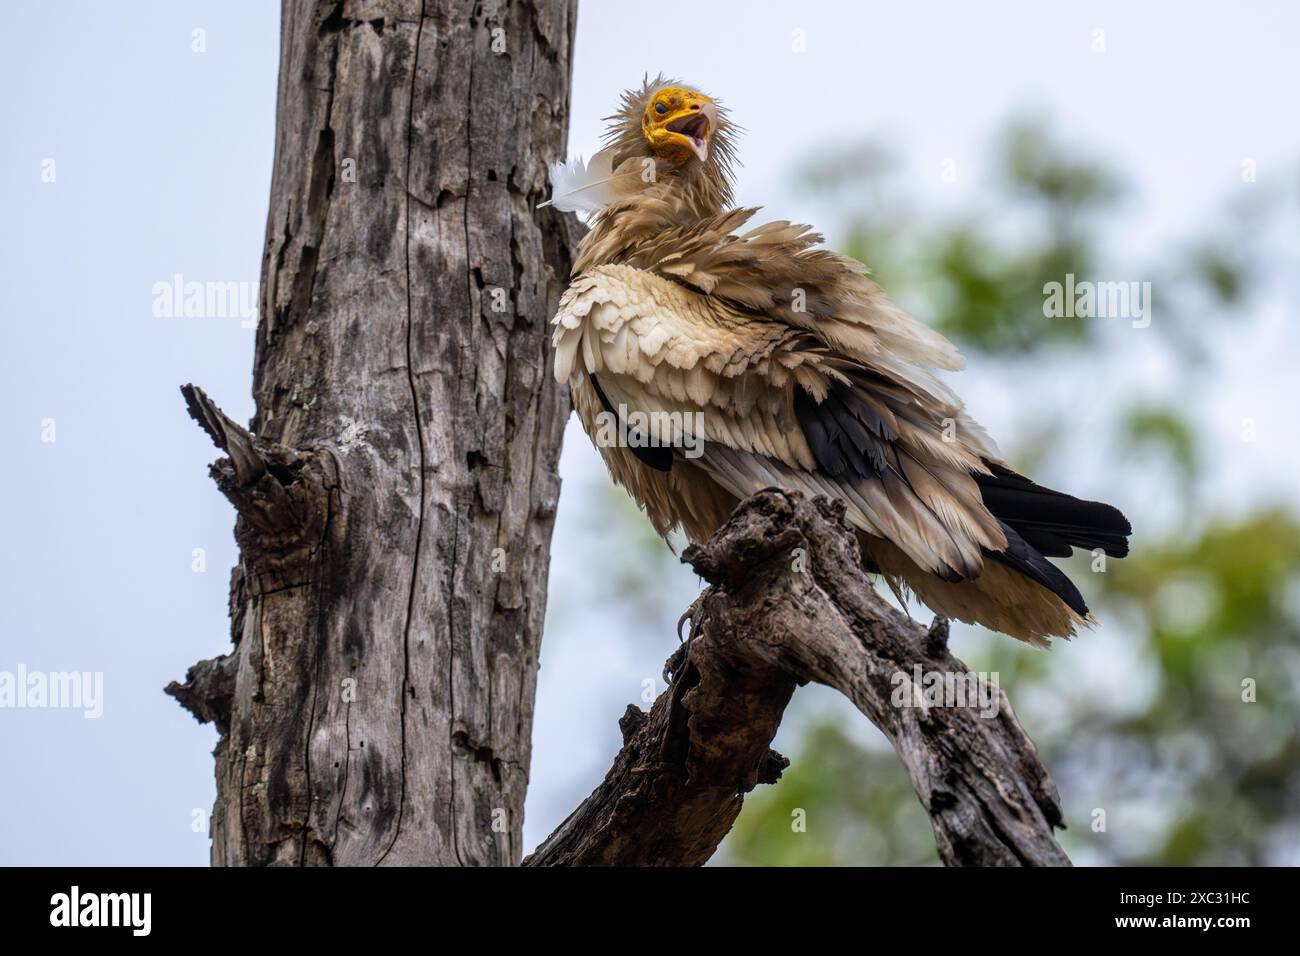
(396,505)
(397,488)
(788,604)
(678,783)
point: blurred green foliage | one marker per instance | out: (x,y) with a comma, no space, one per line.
(1165,431)
(969,279)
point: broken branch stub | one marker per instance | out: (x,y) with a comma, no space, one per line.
(282,495)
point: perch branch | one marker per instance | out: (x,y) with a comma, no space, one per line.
(788,603)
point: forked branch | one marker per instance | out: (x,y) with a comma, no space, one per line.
(788,603)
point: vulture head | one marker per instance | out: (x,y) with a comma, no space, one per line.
(686,132)
(666,137)
(677,123)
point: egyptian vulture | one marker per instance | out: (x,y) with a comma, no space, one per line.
(709,358)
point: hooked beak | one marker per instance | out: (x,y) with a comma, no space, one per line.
(694,125)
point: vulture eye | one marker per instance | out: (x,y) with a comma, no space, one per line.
(661,109)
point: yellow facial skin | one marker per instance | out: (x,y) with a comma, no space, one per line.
(677,124)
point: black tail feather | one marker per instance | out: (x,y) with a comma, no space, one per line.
(1023,557)
(1050,521)
(1040,523)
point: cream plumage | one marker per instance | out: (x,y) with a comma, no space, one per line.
(782,364)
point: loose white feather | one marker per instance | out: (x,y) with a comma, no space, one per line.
(583,187)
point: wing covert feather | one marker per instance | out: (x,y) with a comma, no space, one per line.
(703,371)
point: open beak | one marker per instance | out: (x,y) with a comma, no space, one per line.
(694,126)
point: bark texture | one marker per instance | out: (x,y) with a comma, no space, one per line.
(788,603)
(397,487)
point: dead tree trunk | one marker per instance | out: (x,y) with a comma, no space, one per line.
(397,487)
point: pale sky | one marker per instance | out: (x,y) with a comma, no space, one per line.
(162,160)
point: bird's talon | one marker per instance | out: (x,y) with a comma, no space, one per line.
(674,665)
(689,615)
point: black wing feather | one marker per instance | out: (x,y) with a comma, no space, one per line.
(658,457)
(844,432)
(848,434)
